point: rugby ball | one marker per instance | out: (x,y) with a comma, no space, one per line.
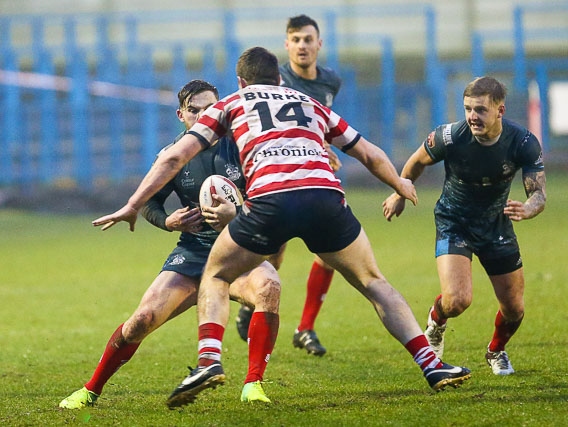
(222,186)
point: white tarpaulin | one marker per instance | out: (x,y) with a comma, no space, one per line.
(558,99)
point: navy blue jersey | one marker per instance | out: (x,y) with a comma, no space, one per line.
(323,88)
(478,178)
(220,159)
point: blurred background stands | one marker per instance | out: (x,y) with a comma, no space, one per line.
(88,95)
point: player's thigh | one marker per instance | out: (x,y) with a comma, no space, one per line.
(168,296)
(277,258)
(356,262)
(227,260)
(454,272)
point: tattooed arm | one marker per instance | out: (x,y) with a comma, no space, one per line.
(535,189)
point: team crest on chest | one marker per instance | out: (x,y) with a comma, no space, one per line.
(187,181)
(233,172)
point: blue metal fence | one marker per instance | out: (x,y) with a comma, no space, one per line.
(97,104)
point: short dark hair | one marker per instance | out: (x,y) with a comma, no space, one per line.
(193,88)
(299,21)
(257,65)
(482,86)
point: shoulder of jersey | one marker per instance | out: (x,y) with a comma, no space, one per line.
(222,186)
(329,73)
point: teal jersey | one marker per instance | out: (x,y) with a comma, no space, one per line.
(478,178)
(220,159)
(323,88)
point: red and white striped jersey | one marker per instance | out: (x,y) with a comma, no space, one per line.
(279,133)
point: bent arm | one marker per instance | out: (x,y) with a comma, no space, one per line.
(378,163)
(413,168)
(163,170)
(154,210)
(535,189)
(167,165)
(416,164)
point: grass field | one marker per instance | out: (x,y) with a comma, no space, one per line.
(65,287)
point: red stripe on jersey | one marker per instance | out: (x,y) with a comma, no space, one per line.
(295,184)
(334,131)
(292,167)
(266,178)
(223,103)
(281,136)
(283,167)
(234,113)
(338,130)
(214,125)
(239,131)
(323,112)
(285,156)
(321,126)
(217,127)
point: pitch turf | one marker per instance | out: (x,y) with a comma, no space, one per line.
(65,287)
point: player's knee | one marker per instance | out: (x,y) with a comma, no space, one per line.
(267,294)
(140,324)
(453,307)
(513,314)
(518,316)
(268,288)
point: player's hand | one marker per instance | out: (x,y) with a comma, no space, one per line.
(126,213)
(407,190)
(334,161)
(393,205)
(221,214)
(188,220)
(515,210)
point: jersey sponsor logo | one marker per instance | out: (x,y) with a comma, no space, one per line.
(187,181)
(287,151)
(447,134)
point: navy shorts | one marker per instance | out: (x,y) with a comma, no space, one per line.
(493,241)
(320,217)
(187,259)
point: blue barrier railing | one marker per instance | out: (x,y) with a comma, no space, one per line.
(86,136)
